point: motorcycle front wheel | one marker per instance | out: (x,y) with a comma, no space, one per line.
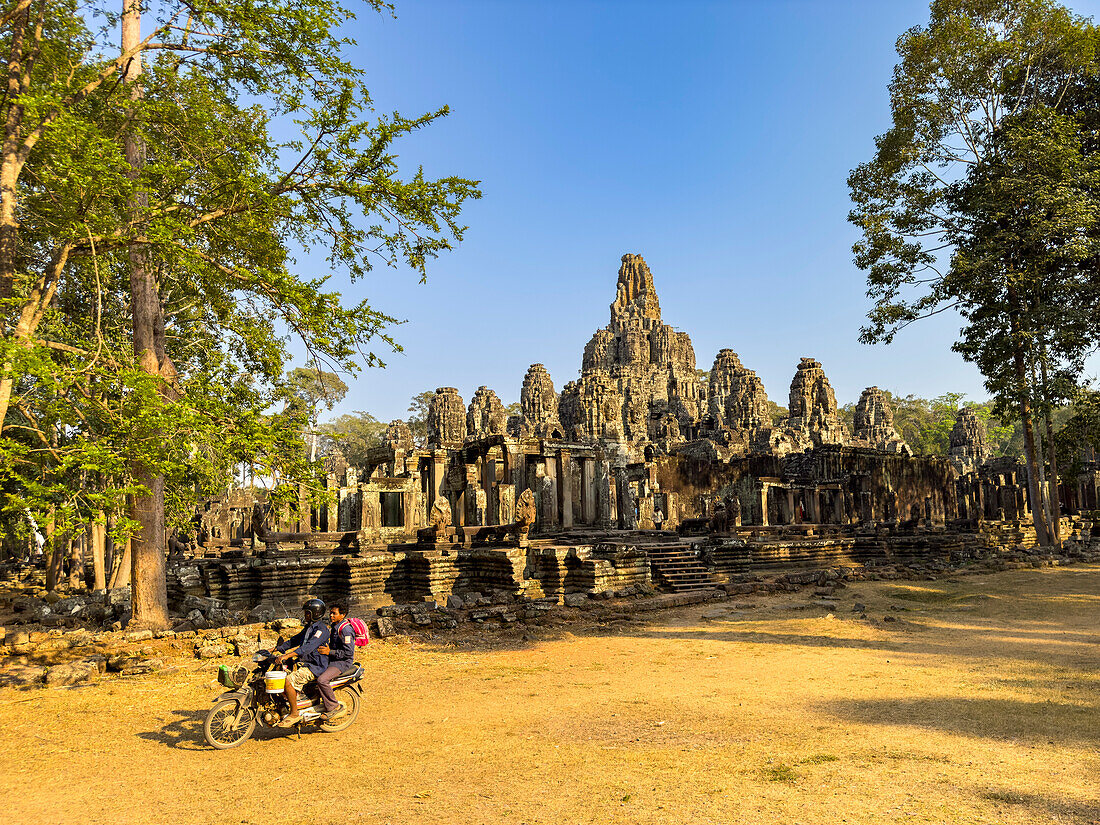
(221,728)
(350,697)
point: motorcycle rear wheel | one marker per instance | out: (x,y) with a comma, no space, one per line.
(219,729)
(350,697)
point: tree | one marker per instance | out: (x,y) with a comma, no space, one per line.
(1080,435)
(418,420)
(926,424)
(175,204)
(355,435)
(967,83)
(1029,239)
(307,389)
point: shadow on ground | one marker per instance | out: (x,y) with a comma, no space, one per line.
(1007,720)
(1046,807)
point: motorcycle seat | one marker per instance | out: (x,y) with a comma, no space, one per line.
(350,673)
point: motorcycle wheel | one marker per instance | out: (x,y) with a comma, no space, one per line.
(349,697)
(219,730)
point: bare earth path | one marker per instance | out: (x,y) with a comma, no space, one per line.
(980,705)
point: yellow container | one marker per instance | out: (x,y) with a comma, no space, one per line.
(275,681)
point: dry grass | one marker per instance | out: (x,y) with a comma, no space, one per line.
(979,705)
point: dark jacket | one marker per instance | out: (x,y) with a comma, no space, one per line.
(307,642)
(341,645)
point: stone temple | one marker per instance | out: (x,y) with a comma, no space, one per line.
(566,498)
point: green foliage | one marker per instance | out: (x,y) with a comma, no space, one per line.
(418,418)
(982,197)
(981,162)
(354,435)
(1079,437)
(926,424)
(260,141)
(778,413)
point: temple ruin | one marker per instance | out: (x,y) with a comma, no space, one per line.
(561,499)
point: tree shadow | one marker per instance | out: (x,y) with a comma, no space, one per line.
(1007,720)
(1047,807)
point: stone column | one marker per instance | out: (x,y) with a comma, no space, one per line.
(588,490)
(602,485)
(515,467)
(628,519)
(333,515)
(565,488)
(412,507)
(866,515)
(488,484)
(438,475)
(762,494)
(506,501)
(370,509)
(792,508)
(458,509)
(550,500)
(304,520)
(813,506)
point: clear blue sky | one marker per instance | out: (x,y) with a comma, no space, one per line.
(714,138)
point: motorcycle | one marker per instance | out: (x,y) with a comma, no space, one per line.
(235,714)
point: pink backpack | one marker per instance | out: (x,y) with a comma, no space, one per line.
(362,633)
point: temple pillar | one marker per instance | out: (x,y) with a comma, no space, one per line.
(565,488)
(605,501)
(628,518)
(437,477)
(762,493)
(304,525)
(488,484)
(553,519)
(588,490)
(370,509)
(332,516)
(515,467)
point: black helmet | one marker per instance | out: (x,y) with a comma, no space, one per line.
(315,608)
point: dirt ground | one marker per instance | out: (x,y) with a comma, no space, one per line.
(979,704)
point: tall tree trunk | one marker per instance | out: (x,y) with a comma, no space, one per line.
(148,594)
(76,561)
(11,162)
(120,575)
(1052,494)
(1041,459)
(1024,403)
(97,530)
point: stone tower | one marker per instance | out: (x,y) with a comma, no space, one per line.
(636,370)
(539,403)
(874,423)
(813,417)
(968,445)
(446,419)
(485,415)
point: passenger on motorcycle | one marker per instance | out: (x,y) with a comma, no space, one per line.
(311,661)
(341,656)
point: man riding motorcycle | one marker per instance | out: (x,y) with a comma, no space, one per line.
(311,662)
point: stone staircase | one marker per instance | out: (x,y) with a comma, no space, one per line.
(677,568)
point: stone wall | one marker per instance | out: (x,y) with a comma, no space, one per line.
(282,581)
